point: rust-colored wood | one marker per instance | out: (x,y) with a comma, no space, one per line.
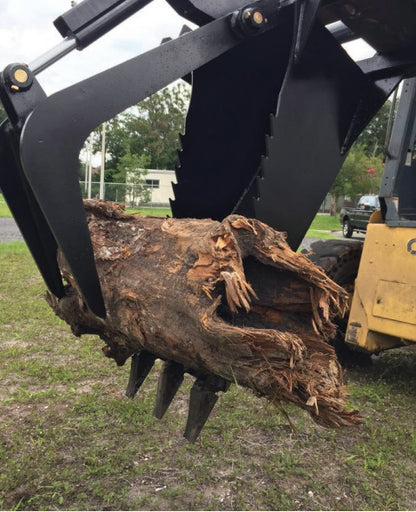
(227,298)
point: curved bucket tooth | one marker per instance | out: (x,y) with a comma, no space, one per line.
(226,124)
(202,399)
(302,161)
(141,364)
(170,380)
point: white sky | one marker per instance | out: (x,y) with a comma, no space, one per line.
(27,31)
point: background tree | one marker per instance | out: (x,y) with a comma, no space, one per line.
(131,169)
(363,168)
(155,123)
(149,129)
(360,174)
(373,138)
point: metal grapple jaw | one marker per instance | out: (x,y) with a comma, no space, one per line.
(46,219)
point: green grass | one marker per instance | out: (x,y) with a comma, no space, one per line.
(71,440)
(324,235)
(14,248)
(325,222)
(4,209)
(155,212)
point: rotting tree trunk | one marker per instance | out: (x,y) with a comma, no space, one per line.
(226,298)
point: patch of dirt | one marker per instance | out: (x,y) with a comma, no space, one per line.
(7,344)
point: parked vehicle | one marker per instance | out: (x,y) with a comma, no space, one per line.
(357,218)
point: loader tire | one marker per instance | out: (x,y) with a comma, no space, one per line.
(340,260)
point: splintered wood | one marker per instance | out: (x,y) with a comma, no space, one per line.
(225,298)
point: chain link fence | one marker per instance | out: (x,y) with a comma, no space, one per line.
(129,194)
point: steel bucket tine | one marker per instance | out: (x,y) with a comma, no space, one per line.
(228,119)
(305,152)
(59,197)
(202,399)
(141,364)
(170,380)
(27,213)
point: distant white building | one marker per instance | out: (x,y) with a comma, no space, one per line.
(159,183)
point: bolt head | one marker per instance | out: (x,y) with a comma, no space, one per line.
(20,75)
(258,18)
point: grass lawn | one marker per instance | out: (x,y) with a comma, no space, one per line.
(71,440)
(316,233)
(4,209)
(326,222)
(157,212)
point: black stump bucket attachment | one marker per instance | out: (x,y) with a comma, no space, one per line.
(276,104)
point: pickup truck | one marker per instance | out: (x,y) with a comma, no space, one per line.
(356,218)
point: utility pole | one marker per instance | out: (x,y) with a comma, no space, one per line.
(90,167)
(102,161)
(87,157)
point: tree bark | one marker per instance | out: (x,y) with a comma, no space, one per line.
(226,298)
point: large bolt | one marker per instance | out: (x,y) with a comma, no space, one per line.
(253,18)
(248,22)
(258,18)
(18,77)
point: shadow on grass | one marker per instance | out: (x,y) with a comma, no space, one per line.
(395,368)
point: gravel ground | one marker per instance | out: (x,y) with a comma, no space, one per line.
(306,243)
(9,230)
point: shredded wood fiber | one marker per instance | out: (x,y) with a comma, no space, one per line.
(227,298)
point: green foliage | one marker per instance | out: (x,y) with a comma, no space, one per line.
(154,124)
(148,130)
(117,143)
(131,169)
(374,135)
(360,174)
(367,153)
(129,163)
(354,178)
